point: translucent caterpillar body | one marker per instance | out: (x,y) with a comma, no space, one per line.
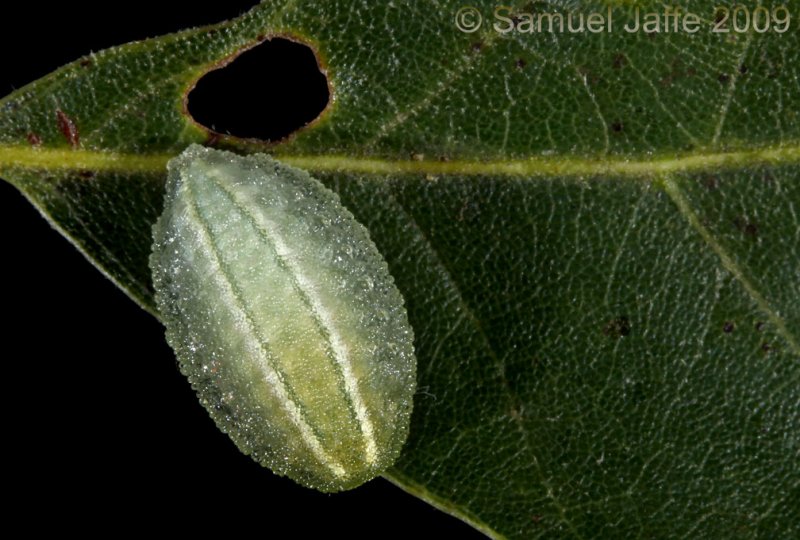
(284,317)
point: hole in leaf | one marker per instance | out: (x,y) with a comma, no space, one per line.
(266,93)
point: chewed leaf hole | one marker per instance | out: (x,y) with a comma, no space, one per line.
(267,92)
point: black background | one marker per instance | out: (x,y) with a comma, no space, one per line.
(100,430)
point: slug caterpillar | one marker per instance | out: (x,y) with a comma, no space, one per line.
(284,317)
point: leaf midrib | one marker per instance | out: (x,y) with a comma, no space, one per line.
(645,167)
(660,170)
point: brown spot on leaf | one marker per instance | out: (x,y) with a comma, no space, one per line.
(86,174)
(68,128)
(213,138)
(728,327)
(724,78)
(619,61)
(743,69)
(760,326)
(747,227)
(476,46)
(617,126)
(33,139)
(617,328)
(520,63)
(766,347)
(710,182)
(86,62)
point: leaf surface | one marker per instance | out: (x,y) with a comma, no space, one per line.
(596,235)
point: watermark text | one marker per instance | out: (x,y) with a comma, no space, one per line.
(739,18)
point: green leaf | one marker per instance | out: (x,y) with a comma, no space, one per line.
(596,235)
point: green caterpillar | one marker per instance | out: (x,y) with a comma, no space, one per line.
(284,317)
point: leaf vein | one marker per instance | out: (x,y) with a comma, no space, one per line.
(684,207)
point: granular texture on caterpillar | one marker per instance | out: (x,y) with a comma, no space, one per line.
(284,317)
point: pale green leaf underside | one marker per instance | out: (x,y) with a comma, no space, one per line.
(596,237)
